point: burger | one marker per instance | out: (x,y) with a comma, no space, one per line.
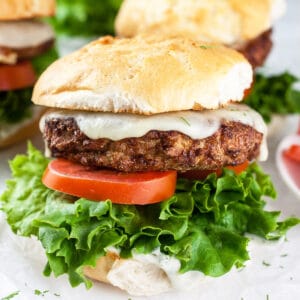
(26,48)
(243,25)
(149,182)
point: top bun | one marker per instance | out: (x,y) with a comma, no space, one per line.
(145,75)
(228,21)
(25,9)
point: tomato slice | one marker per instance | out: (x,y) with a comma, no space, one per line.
(239,168)
(247,92)
(202,174)
(18,76)
(122,188)
(293,153)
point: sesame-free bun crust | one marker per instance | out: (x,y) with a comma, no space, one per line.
(145,75)
(228,21)
(25,9)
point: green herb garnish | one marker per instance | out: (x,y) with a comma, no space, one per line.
(10,296)
(40,293)
(185,121)
(266,264)
(205,47)
(274,95)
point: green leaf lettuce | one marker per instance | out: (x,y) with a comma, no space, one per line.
(203,225)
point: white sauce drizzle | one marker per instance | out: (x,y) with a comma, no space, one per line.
(195,124)
(171,266)
(141,274)
(137,267)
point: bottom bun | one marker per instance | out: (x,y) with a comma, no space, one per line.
(143,275)
(14,133)
(135,277)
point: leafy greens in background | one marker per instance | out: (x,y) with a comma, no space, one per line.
(85,17)
(41,62)
(202,225)
(15,105)
(274,94)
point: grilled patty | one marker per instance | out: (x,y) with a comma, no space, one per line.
(232,144)
(257,50)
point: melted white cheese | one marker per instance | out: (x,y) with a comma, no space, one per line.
(24,34)
(195,124)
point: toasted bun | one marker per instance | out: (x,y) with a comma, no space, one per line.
(135,277)
(21,131)
(24,9)
(228,22)
(145,75)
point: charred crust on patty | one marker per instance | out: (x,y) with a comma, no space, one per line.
(233,144)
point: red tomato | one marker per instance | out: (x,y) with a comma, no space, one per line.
(202,174)
(122,188)
(248,91)
(18,76)
(239,168)
(293,153)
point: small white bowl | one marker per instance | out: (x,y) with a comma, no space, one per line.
(285,144)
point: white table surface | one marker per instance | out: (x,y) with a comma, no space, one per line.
(22,259)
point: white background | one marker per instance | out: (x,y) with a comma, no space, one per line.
(22,260)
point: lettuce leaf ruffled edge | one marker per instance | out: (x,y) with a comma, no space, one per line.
(203,225)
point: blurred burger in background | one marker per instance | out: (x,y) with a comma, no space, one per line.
(243,25)
(26,49)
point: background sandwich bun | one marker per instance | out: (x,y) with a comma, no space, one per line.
(26,49)
(84,81)
(24,9)
(228,22)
